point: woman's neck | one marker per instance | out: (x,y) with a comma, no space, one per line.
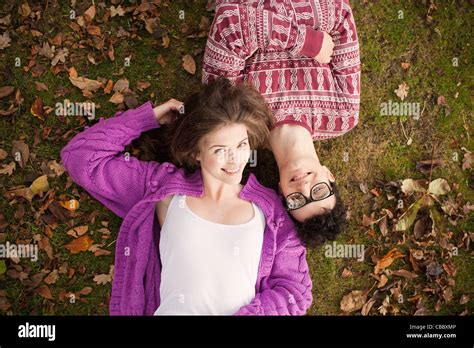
(218,191)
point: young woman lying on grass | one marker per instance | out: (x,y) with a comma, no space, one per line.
(194,240)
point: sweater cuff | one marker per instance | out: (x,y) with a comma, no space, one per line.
(313,41)
(142,117)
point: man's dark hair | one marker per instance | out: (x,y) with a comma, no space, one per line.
(318,229)
(313,231)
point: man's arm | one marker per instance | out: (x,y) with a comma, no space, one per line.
(238,30)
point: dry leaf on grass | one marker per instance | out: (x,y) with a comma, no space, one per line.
(37,108)
(78,231)
(4,40)
(40,185)
(20,152)
(44,291)
(70,205)
(387,260)
(116,11)
(353,301)
(6,91)
(117,98)
(52,277)
(402,91)
(80,244)
(8,168)
(467,161)
(83,83)
(189,64)
(105,278)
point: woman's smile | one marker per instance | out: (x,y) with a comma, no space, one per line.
(231,171)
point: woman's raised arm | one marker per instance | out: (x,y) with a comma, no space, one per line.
(94,159)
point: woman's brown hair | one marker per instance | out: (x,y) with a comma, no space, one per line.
(216,105)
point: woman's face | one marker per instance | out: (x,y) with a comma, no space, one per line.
(225,152)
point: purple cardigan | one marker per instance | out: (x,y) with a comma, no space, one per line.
(131,188)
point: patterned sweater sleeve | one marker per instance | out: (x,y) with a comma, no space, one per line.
(288,288)
(94,159)
(240,29)
(345,62)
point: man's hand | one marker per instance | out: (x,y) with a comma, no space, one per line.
(324,55)
(164,113)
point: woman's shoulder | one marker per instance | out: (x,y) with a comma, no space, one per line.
(267,196)
(263,190)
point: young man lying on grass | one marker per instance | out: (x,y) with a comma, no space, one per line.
(303,57)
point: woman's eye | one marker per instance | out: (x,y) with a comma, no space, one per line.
(218,151)
(243,144)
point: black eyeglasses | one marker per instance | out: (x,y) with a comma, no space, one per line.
(297,200)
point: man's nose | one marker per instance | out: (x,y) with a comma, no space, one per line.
(303,187)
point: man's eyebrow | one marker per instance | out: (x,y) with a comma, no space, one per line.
(225,145)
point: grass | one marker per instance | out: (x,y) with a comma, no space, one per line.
(377,148)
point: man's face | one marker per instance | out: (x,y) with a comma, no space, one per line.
(301,176)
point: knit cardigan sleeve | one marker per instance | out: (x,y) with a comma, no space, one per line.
(287,290)
(238,30)
(94,159)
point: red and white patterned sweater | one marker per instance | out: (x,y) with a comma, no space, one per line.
(272,43)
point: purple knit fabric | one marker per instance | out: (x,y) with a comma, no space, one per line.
(130,188)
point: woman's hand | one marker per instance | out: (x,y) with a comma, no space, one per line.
(164,113)
(324,55)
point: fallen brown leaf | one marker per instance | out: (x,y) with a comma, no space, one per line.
(117,98)
(8,168)
(353,301)
(6,91)
(45,292)
(37,108)
(40,185)
(388,259)
(189,64)
(70,205)
(52,277)
(404,273)
(80,244)
(20,152)
(5,40)
(402,91)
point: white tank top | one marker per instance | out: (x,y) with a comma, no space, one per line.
(207,268)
